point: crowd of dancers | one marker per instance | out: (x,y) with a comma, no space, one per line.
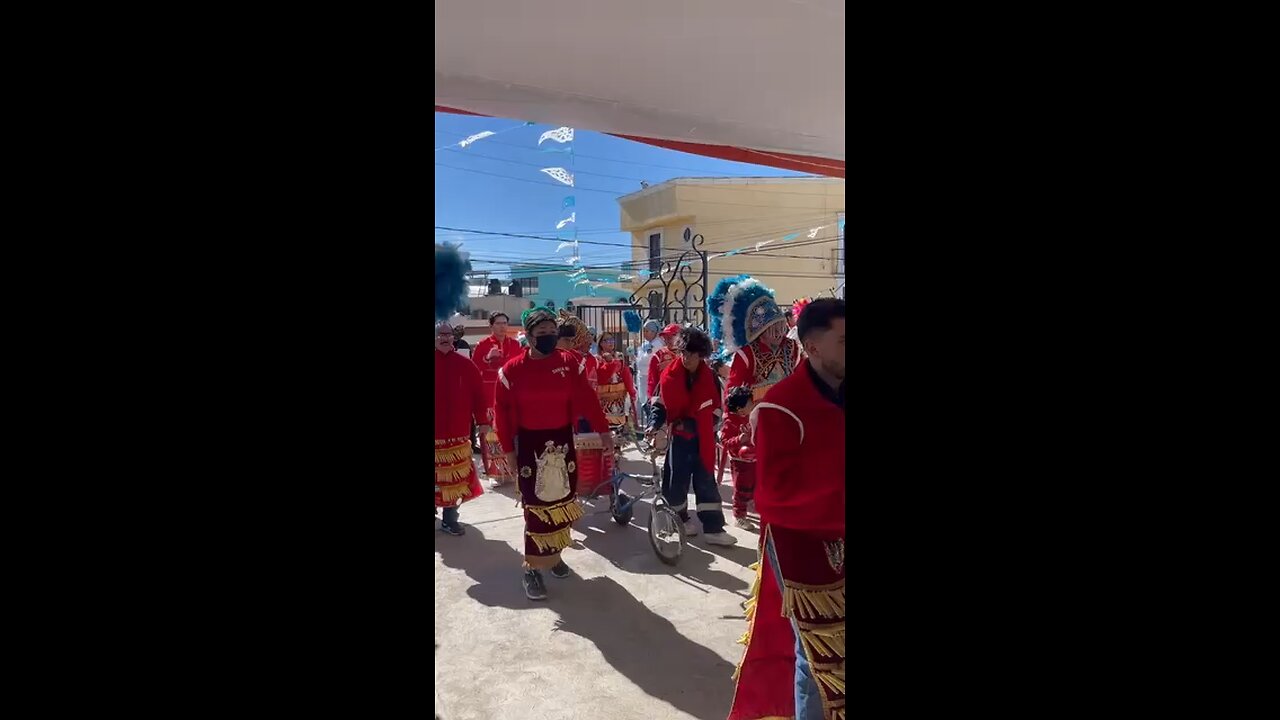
(760,391)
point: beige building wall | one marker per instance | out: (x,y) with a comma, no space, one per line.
(732,213)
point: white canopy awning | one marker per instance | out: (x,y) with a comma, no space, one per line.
(759,81)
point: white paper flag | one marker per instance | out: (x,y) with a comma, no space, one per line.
(560,135)
(563,245)
(477,136)
(560,174)
(573,217)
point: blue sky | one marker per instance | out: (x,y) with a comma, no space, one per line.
(495,185)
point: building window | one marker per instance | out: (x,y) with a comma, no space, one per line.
(655,252)
(528,286)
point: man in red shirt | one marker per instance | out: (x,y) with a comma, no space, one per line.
(794,665)
(489,355)
(661,358)
(459,399)
(539,395)
(689,399)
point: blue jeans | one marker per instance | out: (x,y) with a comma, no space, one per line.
(808,698)
(450,515)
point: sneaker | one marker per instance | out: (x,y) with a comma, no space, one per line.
(533,585)
(745,523)
(453,528)
(720,538)
(560,570)
(690,527)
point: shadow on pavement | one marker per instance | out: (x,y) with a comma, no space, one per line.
(628,549)
(647,649)
(640,644)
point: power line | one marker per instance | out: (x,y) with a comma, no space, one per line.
(618,193)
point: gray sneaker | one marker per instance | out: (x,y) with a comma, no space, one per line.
(561,570)
(534,588)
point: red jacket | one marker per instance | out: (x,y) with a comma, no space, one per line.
(699,404)
(459,396)
(489,368)
(660,361)
(545,394)
(800,446)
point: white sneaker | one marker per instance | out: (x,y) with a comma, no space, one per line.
(720,538)
(690,527)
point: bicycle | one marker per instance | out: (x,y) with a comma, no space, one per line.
(666,530)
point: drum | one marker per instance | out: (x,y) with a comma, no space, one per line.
(593,467)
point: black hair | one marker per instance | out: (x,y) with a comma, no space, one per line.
(495,317)
(691,339)
(818,315)
(716,364)
(566,331)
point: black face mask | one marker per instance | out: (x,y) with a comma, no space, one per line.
(545,343)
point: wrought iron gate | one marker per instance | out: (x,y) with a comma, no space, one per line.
(677,293)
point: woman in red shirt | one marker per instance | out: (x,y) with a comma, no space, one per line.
(539,394)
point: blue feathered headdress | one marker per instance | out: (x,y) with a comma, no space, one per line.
(632,319)
(451,280)
(715,305)
(749,308)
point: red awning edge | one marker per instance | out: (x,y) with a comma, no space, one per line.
(799,163)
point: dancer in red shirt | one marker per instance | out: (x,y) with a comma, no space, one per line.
(459,398)
(754,334)
(539,394)
(489,355)
(794,664)
(614,384)
(661,358)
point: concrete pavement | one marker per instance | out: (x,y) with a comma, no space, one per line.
(626,637)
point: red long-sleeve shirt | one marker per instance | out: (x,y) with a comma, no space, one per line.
(698,403)
(508,348)
(459,396)
(544,394)
(661,360)
(800,451)
(607,369)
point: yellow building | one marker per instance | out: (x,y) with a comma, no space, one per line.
(737,213)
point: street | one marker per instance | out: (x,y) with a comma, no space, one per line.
(625,637)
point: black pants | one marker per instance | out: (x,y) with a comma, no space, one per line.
(685,466)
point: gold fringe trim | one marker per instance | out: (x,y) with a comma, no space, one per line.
(450,493)
(614,389)
(453,473)
(453,454)
(833,680)
(566,512)
(450,442)
(826,641)
(837,714)
(813,601)
(749,605)
(552,541)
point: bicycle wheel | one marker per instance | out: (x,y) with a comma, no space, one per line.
(666,534)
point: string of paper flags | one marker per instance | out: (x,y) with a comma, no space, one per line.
(562,139)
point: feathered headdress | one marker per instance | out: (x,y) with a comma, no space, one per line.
(749,309)
(451,280)
(580,335)
(632,319)
(715,305)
